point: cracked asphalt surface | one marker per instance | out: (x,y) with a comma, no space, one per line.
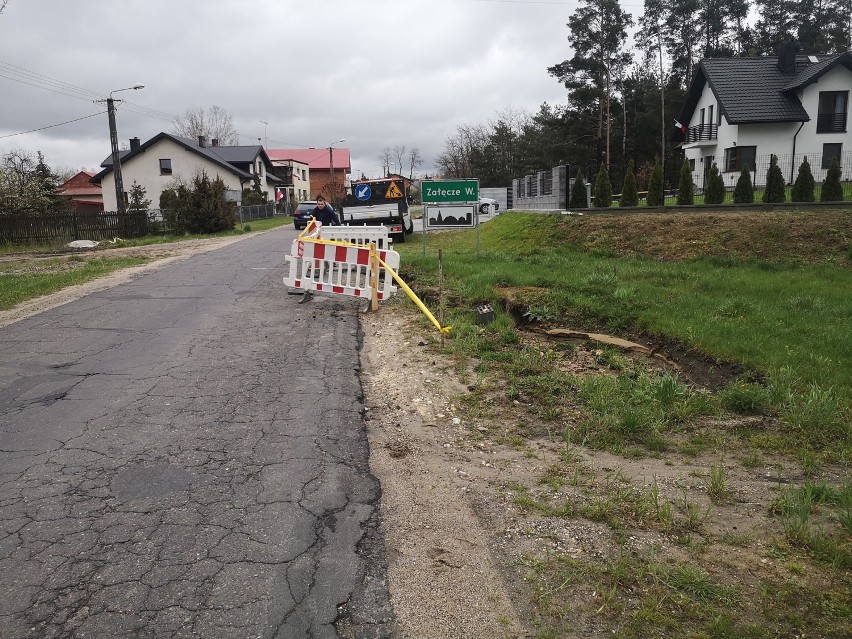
(184,455)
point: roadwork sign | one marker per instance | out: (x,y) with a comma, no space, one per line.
(393,192)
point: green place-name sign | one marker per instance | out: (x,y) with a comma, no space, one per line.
(439,191)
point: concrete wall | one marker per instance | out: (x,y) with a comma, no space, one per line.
(501,194)
(543,191)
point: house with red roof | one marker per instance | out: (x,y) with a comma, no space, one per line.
(84,196)
(327,169)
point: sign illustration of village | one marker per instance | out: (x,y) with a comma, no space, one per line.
(449,216)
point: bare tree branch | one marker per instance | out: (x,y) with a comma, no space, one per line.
(213,123)
(385,159)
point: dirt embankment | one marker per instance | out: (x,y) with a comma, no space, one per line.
(806,237)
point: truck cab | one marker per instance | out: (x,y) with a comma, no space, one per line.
(378,203)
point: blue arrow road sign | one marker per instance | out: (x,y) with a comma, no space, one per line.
(363,192)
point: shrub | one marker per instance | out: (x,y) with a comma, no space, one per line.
(603,189)
(803,187)
(174,203)
(744,191)
(685,193)
(831,190)
(138,201)
(578,193)
(715,191)
(629,194)
(655,185)
(208,211)
(775,190)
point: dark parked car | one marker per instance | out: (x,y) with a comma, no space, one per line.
(302,214)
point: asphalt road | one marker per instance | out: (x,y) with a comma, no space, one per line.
(184,456)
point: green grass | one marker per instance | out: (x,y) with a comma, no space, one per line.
(787,325)
(24,280)
(17,287)
(250,226)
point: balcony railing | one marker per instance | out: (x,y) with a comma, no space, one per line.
(831,123)
(701,133)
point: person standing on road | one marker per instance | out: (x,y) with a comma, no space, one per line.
(324,214)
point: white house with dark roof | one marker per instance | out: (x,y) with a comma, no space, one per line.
(740,111)
(164,159)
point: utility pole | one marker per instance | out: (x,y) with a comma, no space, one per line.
(113,138)
(331,165)
(265,139)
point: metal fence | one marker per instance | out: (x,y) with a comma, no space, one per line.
(255,212)
(788,163)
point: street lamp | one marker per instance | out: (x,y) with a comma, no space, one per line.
(331,163)
(113,137)
(265,139)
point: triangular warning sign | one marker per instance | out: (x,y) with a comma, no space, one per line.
(393,191)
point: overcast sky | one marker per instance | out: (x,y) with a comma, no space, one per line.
(377,73)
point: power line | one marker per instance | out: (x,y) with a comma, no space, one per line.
(41,81)
(50,126)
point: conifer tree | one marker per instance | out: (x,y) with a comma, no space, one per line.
(137,199)
(655,185)
(685,191)
(831,189)
(775,190)
(629,194)
(578,193)
(603,189)
(803,187)
(744,191)
(715,191)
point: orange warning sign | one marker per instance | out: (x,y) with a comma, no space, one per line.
(393,191)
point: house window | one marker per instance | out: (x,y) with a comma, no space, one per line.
(710,114)
(165,167)
(701,121)
(737,157)
(692,165)
(829,152)
(304,177)
(719,117)
(833,107)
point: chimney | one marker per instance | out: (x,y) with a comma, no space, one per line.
(787,57)
(202,141)
(134,144)
(214,142)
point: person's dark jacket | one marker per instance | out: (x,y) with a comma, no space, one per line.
(326,215)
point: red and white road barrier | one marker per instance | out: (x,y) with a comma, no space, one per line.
(344,268)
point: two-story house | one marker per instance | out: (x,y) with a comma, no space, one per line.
(166,159)
(740,111)
(328,169)
(295,177)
